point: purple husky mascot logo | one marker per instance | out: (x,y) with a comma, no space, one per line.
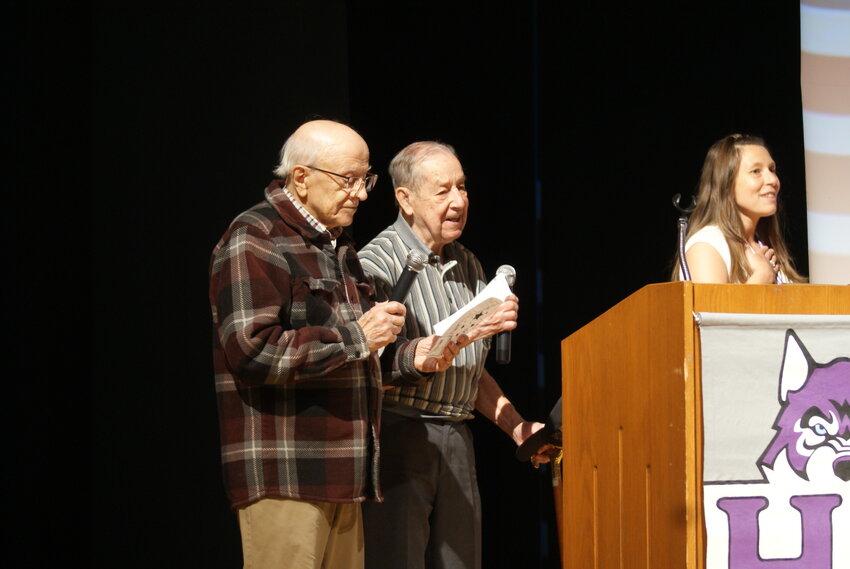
(814,420)
(810,455)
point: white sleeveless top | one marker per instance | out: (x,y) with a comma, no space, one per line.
(712,235)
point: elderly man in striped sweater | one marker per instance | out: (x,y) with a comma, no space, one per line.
(431,514)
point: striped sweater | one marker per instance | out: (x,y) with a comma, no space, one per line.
(442,287)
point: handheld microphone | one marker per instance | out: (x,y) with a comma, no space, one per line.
(503,339)
(412,265)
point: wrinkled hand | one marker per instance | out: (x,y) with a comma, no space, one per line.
(503,319)
(762,261)
(424,363)
(544,454)
(382,323)
(524,430)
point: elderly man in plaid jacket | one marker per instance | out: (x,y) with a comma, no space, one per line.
(296,341)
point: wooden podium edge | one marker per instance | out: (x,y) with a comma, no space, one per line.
(696,541)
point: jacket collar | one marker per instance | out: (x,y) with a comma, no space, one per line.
(295,216)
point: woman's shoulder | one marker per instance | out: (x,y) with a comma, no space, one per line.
(711,234)
(708,231)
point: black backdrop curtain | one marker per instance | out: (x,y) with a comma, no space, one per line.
(140,130)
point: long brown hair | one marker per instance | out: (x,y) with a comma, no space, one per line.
(715,205)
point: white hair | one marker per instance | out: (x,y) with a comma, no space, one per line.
(404,167)
(298,149)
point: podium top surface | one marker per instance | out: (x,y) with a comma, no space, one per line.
(756,299)
(688,298)
(771,299)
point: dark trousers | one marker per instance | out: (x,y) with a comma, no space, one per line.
(431,514)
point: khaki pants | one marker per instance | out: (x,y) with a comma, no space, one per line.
(297,534)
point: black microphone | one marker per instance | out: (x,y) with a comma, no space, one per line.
(503,339)
(412,265)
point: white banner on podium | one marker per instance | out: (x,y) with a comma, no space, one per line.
(776,416)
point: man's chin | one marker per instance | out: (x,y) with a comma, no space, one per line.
(345,220)
(453,233)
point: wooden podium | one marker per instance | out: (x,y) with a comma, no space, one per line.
(632,424)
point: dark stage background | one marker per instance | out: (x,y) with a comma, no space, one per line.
(141,129)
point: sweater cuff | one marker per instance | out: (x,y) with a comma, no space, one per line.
(406,367)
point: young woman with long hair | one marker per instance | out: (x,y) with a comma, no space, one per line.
(734,234)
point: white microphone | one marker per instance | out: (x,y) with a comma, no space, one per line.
(503,339)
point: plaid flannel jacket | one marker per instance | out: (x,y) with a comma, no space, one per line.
(298,391)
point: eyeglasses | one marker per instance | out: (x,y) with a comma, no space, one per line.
(353,183)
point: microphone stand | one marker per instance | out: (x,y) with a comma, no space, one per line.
(683,231)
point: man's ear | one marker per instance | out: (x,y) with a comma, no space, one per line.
(402,196)
(298,181)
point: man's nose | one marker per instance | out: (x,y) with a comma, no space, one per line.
(361,193)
